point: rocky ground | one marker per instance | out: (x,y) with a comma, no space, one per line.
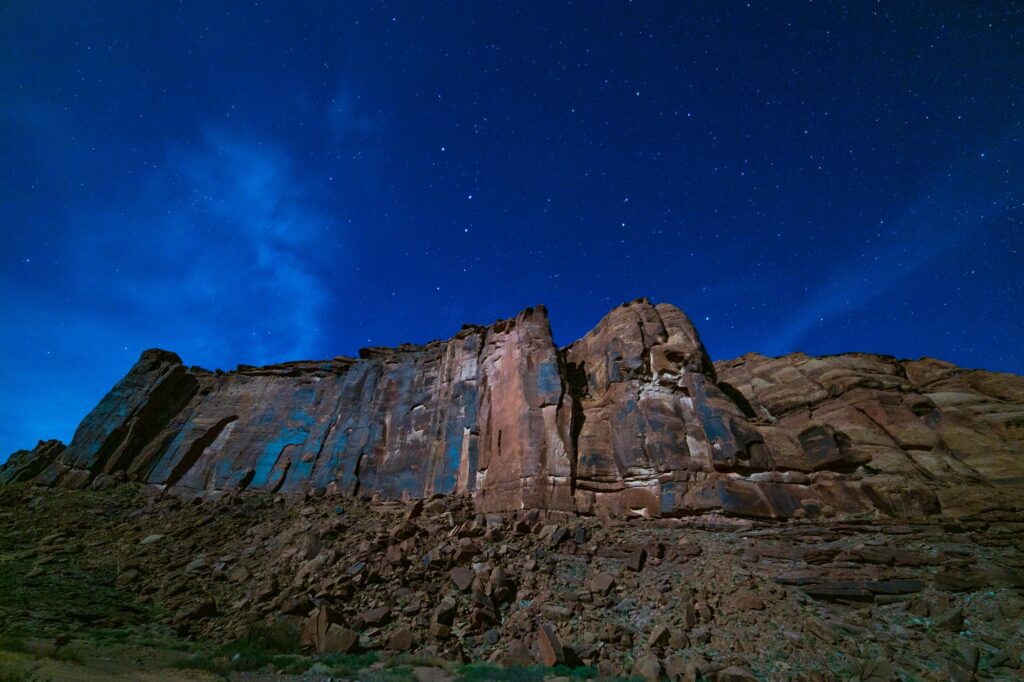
(256,586)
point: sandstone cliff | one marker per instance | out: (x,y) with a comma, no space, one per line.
(632,419)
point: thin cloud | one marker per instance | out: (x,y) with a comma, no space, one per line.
(230,266)
(958,207)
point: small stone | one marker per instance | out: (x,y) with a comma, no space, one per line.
(748,602)
(401,640)
(517,654)
(462,577)
(968,654)
(202,609)
(636,559)
(659,636)
(678,640)
(128,577)
(239,574)
(556,612)
(601,583)
(439,630)
(952,620)
(492,636)
(675,667)
(560,533)
(394,555)
(736,673)
(150,539)
(648,667)
(377,616)
(338,639)
(445,612)
(425,674)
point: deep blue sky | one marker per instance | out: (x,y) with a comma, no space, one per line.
(271,181)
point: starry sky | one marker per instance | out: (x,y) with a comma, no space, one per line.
(265,181)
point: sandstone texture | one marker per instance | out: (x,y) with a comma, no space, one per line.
(632,420)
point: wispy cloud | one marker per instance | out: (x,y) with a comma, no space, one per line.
(225,254)
(957,207)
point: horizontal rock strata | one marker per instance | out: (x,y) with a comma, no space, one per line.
(632,419)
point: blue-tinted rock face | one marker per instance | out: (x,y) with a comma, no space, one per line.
(631,419)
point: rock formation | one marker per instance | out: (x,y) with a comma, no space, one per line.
(632,419)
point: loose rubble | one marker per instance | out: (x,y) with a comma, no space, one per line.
(799,600)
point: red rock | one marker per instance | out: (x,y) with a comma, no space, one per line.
(648,668)
(376,616)
(748,602)
(659,636)
(323,631)
(736,673)
(633,419)
(549,647)
(636,559)
(517,654)
(462,577)
(601,583)
(338,639)
(401,640)
(442,618)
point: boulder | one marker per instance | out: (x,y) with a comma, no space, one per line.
(549,647)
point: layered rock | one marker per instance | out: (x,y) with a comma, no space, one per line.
(25,465)
(907,430)
(632,419)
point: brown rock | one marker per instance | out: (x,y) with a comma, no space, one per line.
(376,616)
(428,674)
(648,667)
(518,654)
(636,559)
(952,620)
(338,639)
(439,630)
(401,640)
(395,555)
(748,602)
(659,636)
(549,647)
(462,577)
(601,583)
(736,673)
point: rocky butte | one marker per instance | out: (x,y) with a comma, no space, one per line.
(633,419)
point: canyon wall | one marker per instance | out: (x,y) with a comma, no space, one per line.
(632,419)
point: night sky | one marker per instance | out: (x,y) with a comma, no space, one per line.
(260,182)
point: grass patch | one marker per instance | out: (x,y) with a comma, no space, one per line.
(14,672)
(485,672)
(14,642)
(261,646)
(346,664)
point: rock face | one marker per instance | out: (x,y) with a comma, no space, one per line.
(632,419)
(25,465)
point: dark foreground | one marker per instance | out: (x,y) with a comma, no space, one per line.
(114,585)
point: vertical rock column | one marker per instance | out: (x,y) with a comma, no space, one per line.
(525,414)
